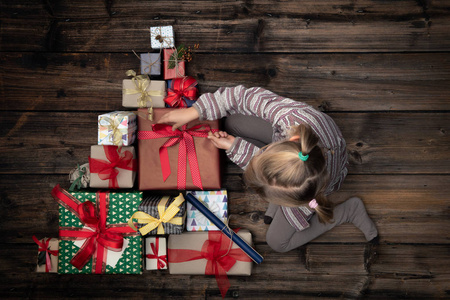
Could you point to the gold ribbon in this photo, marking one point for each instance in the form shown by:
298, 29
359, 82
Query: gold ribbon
141, 83
165, 216
113, 125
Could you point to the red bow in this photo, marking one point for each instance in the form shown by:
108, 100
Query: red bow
101, 238
185, 87
43, 246
219, 255
186, 148
161, 259
108, 169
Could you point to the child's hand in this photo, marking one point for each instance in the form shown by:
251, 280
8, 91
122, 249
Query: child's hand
179, 117
221, 139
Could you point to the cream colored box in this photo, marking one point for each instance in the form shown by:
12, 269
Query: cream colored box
155, 93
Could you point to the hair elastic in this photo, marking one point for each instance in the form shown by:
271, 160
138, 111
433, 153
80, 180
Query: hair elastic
303, 157
313, 203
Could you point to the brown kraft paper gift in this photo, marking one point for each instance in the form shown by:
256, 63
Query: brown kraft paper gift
150, 174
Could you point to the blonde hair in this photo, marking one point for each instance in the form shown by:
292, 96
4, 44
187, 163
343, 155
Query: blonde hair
279, 176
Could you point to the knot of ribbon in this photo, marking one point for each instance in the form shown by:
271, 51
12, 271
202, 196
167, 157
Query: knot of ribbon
112, 126
219, 255
99, 237
43, 247
181, 88
161, 260
77, 183
184, 138
165, 216
116, 160
141, 84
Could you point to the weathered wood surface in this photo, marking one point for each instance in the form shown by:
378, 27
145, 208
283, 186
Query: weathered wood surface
380, 69
233, 26
366, 82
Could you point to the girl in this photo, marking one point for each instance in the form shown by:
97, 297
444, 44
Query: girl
293, 157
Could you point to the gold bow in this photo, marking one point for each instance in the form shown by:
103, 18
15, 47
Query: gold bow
113, 125
141, 83
165, 216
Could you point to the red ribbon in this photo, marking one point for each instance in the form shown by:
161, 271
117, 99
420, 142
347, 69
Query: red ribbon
219, 255
102, 238
43, 246
186, 148
185, 87
116, 160
160, 259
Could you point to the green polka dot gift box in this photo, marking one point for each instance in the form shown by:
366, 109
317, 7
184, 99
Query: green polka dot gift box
94, 234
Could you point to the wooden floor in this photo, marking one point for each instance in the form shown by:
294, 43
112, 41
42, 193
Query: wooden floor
380, 69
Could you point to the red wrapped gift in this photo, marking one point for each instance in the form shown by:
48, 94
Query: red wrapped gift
178, 71
182, 92
163, 154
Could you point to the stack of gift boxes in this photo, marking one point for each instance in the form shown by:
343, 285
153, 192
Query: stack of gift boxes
124, 231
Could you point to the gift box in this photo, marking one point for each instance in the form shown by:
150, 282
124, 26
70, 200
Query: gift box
181, 92
209, 253
47, 255
117, 128
169, 168
150, 63
140, 91
173, 66
162, 37
161, 215
215, 201
112, 167
155, 253
79, 177
95, 236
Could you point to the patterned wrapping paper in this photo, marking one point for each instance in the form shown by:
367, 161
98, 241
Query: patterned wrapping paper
150, 206
151, 63
123, 122
216, 201
121, 207
162, 37
155, 253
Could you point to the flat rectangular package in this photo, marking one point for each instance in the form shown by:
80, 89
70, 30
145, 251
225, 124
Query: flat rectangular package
158, 260
125, 177
162, 37
156, 90
151, 63
194, 241
150, 173
53, 245
215, 201
179, 69
122, 122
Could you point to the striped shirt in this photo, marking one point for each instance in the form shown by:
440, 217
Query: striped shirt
282, 113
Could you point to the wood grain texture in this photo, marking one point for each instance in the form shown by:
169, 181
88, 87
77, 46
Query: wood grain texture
329, 82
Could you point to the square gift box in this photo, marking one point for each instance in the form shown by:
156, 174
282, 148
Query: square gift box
178, 70
155, 253
200, 171
112, 167
162, 37
151, 63
215, 201
78, 234
170, 209
185, 253
117, 128
143, 92
48, 253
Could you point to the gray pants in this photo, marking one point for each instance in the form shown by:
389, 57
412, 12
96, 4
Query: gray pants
281, 236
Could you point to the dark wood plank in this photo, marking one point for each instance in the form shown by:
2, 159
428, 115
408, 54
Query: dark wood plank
61, 140
330, 82
414, 31
416, 204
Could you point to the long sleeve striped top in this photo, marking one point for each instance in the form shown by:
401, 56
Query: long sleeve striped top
282, 113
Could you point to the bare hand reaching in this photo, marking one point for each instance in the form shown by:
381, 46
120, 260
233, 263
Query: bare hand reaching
179, 117
221, 139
